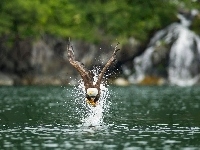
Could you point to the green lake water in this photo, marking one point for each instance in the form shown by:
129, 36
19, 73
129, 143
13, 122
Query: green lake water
134, 117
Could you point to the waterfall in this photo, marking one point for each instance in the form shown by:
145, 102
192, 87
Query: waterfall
176, 49
184, 62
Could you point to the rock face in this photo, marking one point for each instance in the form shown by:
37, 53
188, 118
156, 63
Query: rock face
50, 62
174, 54
45, 61
6, 80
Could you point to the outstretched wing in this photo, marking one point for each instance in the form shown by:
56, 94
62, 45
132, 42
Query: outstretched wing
84, 73
110, 61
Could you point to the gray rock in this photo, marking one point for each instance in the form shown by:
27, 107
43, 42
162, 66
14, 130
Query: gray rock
6, 79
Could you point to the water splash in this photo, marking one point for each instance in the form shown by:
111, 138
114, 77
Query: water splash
89, 115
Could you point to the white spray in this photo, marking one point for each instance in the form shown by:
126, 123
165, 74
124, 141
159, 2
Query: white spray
89, 115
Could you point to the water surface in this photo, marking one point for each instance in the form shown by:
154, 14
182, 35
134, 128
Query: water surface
139, 117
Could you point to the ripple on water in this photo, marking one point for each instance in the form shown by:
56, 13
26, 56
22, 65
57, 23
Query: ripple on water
126, 125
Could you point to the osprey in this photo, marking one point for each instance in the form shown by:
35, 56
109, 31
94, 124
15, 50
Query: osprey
92, 90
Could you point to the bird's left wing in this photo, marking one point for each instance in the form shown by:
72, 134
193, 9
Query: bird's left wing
110, 61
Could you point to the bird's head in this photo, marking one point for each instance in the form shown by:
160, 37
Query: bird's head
91, 94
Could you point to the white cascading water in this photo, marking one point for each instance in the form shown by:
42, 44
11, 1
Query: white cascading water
89, 115
184, 55
184, 58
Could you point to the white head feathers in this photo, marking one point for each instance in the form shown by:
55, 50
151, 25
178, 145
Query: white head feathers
92, 91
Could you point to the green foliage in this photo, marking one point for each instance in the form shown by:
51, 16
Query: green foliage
88, 20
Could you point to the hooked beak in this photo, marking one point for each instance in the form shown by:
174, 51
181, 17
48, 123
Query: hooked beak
91, 102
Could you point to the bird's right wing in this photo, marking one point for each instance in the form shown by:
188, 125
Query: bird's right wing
84, 73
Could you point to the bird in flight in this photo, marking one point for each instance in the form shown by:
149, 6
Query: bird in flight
92, 90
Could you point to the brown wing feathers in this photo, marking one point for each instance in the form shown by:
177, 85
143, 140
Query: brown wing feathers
85, 74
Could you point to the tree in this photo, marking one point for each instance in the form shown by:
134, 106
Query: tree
88, 20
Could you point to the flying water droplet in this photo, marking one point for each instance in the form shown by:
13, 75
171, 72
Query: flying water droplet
89, 115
